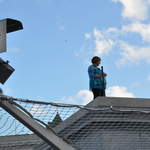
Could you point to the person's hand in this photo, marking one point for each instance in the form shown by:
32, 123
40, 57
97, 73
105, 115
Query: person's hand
105, 74
100, 75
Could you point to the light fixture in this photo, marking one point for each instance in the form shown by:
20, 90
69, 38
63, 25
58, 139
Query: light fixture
6, 26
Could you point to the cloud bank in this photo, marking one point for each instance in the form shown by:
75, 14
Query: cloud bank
118, 91
83, 97
134, 10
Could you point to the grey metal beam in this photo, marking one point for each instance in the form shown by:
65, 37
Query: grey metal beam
46, 134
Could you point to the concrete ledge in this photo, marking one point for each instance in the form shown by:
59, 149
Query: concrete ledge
120, 102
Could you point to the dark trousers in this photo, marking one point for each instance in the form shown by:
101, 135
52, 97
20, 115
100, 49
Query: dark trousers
98, 92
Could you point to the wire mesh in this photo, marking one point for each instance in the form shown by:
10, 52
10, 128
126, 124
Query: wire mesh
110, 130
86, 128
16, 134
43, 112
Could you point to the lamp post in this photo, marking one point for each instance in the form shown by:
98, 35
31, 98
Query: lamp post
6, 26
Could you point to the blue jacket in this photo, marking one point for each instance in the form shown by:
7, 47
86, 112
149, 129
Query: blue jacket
96, 82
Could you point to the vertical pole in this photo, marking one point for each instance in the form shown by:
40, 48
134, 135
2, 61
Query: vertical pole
103, 84
2, 36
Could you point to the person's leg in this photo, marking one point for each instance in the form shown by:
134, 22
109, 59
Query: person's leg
102, 92
96, 92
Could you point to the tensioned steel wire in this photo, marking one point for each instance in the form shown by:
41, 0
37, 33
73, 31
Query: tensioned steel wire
107, 128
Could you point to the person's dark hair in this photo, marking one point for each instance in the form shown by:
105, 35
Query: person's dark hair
95, 59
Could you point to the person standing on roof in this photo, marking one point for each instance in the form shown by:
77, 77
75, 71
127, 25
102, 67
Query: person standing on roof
97, 78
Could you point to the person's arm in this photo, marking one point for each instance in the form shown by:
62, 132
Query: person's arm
92, 73
100, 75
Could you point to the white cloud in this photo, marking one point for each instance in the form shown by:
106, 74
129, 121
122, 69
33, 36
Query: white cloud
134, 9
105, 40
102, 42
102, 47
82, 97
133, 54
142, 29
85, 96
96, 43
118, 91
113, 32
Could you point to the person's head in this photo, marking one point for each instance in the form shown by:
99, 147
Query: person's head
96, 60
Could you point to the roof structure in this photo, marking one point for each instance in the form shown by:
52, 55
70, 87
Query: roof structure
56, 121
19, 142
106, 123
35, 125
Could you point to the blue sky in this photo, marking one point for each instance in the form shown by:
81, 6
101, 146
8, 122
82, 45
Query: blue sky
51, 55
